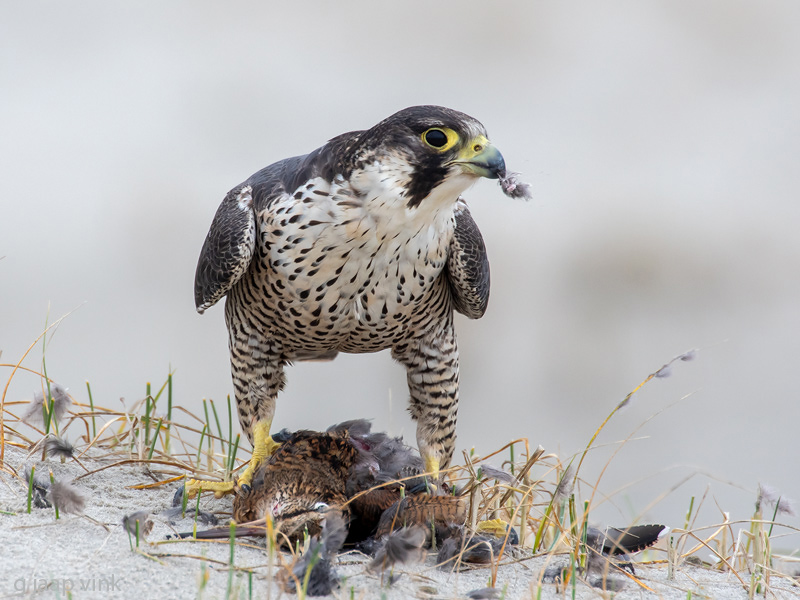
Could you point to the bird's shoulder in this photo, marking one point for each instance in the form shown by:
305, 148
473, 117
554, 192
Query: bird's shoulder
231, 239
335, 160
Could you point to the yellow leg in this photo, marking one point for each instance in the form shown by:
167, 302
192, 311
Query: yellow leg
432, 467
263, 447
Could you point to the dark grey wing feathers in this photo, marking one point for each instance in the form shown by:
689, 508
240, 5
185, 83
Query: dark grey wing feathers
228, 248
468, 266
230, 242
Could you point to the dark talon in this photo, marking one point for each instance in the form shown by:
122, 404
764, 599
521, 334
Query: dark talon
177, 499
244, 489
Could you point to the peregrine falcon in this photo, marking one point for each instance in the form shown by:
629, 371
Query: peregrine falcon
362, 245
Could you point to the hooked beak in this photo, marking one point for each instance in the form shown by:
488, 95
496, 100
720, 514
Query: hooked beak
480, 158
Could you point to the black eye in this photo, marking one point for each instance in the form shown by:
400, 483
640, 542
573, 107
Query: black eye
436, 138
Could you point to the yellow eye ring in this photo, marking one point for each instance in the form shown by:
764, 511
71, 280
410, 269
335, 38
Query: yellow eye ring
440, 139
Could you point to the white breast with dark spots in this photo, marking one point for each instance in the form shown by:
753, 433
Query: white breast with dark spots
345, 271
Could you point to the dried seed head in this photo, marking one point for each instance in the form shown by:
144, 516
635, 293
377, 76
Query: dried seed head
66, 497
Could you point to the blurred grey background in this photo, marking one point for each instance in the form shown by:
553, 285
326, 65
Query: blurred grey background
661, 139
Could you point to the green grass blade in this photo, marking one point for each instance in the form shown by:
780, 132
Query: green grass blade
30, 487
155, 439
219, 428
91, 406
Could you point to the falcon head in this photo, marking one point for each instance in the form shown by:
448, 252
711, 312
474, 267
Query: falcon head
425, 151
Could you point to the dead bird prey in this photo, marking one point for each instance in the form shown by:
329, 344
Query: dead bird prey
314, 474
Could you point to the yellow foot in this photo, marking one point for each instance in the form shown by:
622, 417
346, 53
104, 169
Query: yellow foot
432, 473
263, 447
220, 488
498, 528
261, 452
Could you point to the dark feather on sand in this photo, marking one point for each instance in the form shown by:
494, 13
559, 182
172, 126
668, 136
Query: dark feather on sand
56, 447
39, 491
319, 558
478, 549
175, 513
402, 546
623, 541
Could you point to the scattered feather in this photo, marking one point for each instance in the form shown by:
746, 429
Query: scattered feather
565, 486
334, 533
664, 371
608, 583
513, 187
56, 447
61, 402
491, 472
355, 427
39, 491
66, 498
554, 573
369, 546
281, 436
477, 549
769, 497
319, 558
628, 540
485, 594
141, 517
403, 546
448, 552
175, 513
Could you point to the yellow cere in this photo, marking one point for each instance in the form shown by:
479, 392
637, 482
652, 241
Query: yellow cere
476, 146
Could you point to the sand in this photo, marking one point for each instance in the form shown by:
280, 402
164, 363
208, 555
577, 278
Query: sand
90, 555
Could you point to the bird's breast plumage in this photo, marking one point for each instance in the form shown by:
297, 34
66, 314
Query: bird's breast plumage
345, 265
